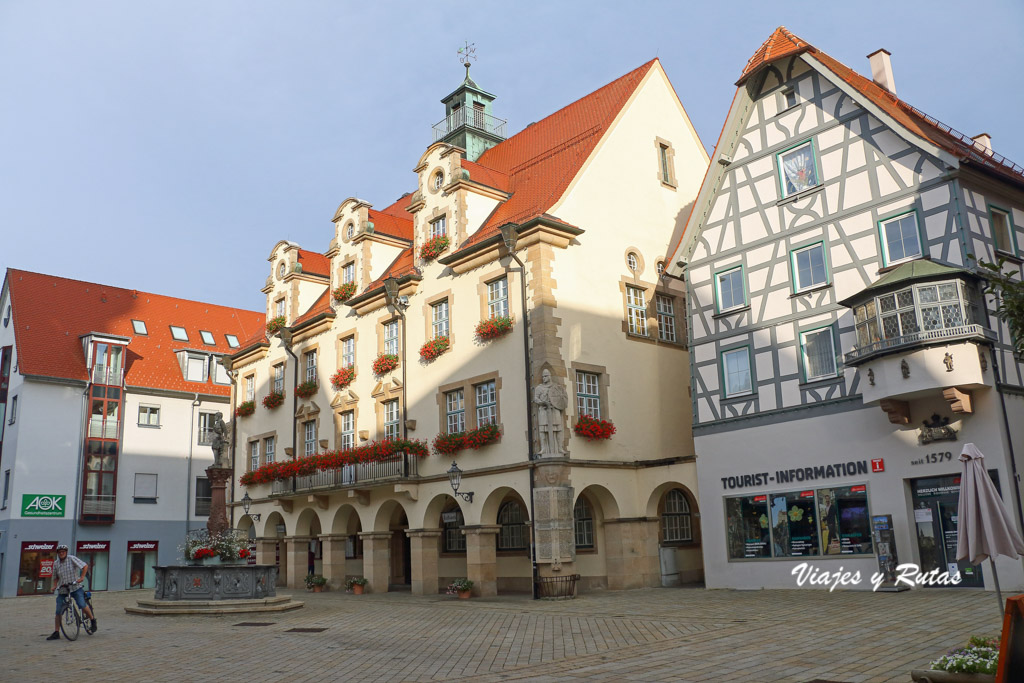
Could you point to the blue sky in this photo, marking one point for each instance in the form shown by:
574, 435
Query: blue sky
167, 146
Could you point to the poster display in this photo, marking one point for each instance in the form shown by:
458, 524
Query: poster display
794, 533
747, 530
845, 527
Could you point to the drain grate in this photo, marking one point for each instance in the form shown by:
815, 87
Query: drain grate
306, 630
256, 623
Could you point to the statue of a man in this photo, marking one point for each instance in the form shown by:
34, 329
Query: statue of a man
551, 401
219, 441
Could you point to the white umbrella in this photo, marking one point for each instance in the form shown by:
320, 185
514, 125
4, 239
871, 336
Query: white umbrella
984, 529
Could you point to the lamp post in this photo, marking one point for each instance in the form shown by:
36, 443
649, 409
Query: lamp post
455, 479
397, 302
246, 504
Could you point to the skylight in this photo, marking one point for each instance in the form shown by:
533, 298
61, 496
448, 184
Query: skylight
207, 337
232, 340
139, 326
179, 333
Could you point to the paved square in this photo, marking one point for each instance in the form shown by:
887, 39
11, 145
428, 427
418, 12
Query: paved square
662, 634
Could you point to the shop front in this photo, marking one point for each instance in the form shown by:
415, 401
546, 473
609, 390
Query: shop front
35, 574
97, 555
142, 557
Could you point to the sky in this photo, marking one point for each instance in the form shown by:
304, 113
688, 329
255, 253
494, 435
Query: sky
167, 146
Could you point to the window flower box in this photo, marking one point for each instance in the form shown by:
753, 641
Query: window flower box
449, 444
344, 292
593, 429
277, 324
343, 377
385, 363
434, 348
273, 400
493, 328
307, 389
434, 247
245, 409
377, 451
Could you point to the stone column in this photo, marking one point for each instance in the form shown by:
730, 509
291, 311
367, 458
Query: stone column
219, 478
334, 559
377, 559
295, 556
424, 548
631, 547
481, 558
266, 553
553, 523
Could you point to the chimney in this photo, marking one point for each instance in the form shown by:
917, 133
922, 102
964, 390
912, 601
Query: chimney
983, 140
881, 69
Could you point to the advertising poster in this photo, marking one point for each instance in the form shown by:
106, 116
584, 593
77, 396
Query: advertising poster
747, 527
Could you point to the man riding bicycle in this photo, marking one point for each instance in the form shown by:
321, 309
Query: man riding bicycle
69, 570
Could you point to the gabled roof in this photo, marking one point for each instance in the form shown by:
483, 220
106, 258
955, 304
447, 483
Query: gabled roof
314, 263
391, 223
320, 306
51, 313
404, 264
780, 44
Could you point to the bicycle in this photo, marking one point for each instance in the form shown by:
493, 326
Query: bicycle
71, 618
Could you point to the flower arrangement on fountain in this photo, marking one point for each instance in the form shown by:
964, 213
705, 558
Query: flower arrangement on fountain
434, 247
434, 348
449, 444
273, 399
230, 545
495, 327
245, 408
377, 451
276, 324
343, 377
593, 428
307, 389
344, 292
385, 363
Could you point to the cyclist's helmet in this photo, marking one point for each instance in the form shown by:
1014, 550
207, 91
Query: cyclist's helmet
62, 547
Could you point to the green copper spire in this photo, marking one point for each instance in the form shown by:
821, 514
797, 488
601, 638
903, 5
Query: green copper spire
468, 121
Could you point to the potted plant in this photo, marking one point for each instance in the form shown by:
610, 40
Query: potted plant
434, 247
495, 327
276, 324
385, 363
593, 428
976, 663
343, 377
315, 582
245, 408
273, 399
356, 584
434, 348
461, 587
449, 444
344, 292
307, 389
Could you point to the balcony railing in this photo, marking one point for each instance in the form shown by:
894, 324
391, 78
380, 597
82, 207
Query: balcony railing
917, 339
350, 475
104, 374
477, 119
100, 428
98, 505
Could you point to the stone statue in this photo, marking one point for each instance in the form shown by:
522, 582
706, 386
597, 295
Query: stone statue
219, 441
551, 401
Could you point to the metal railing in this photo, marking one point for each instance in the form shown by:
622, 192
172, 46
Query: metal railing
102, 428
98, 505
923, 337
477, 119
350, 475
104, 374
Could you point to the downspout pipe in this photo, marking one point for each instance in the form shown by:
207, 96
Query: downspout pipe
188, 469
233, 375
286, 339
81, 465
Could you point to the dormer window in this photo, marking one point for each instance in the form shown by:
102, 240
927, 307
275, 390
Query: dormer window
207, 337
438, 180
232, 340
139, 326
280, 270
195, 367
348, 272
350, 230
787, 99
439, 227
179, 333
279, 307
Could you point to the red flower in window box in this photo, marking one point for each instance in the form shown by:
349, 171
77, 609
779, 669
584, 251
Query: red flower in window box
492, 328
245, 409
203, 552
434, 348
449, 444
244, 553
593, 428
434, 247
343, 377
307, 389
277, 324
273, 400
376, 451
344, 292
385, 363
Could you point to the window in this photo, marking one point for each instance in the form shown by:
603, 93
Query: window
583, 523
391, 337
452, 522
512, 535
220, 375
145, 488
659, 267
787, 99
730, 289
391, 422
809, 268
455, 411
139, 326
254, 455
279, 378
311, 366
195, 367
636, 306
250, 388
901, 240
798, 169
348, 352
439, 227
819, 353
632, 262
232, 340
497, 298
178, 333
281, 269
203, 496
439, 318
1002, 230
7, 488
348, 430
268, 449
149, 416
666, 175
207, 337
676, 526
928, 307
279, 307
736, 372
486, 404
588, 398
348, 272
666, 318
205, 429
14, 410
438, 180
309, 437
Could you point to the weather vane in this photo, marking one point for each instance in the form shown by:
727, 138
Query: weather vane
467, 53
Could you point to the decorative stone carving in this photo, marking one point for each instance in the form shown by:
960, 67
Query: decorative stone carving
936, 429
218, 519
215, 582
553, 524
871, 377
983, 359
959, 400
220, 441
948, 362
897, 411
905, 368
551, 401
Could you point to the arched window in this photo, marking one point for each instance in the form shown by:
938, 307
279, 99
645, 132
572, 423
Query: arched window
675, 518
632, 262
513, 530
350, 230
452, 522
583, 521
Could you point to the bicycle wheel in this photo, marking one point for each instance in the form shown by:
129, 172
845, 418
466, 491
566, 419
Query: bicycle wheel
70, 620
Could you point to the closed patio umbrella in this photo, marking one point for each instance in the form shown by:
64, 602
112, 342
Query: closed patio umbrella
984, 529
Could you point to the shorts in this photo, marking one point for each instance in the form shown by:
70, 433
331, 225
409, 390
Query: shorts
78, 595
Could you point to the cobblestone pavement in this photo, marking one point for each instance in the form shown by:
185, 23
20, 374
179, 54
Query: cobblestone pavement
662, 634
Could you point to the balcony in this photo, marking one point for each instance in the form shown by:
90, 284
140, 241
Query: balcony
401, 467
861, 354
478, 120
101, 428
98, 509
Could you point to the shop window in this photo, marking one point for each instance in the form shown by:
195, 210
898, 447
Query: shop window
204, 494
793, 530
142, 557
676, 522
35, 568
452, 522
512, 535
583, 523
145, 488
97, 555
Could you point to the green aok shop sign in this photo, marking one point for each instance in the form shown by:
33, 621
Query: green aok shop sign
41, 505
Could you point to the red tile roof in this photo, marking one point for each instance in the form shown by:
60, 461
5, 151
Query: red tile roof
314, 263
390, 223
780, 44
321, 305
404, 264
486, 176
50, 314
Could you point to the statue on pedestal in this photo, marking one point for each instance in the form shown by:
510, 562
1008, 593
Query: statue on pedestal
220, 441
551, 401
